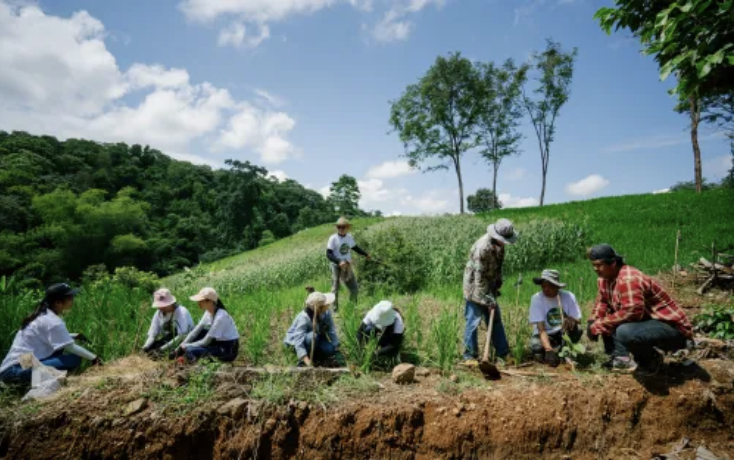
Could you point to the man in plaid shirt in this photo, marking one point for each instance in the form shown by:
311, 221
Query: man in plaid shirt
633, 314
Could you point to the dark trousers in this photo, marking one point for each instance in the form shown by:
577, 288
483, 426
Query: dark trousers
388, 345
59, 360
223, 350
640, 337
556, 340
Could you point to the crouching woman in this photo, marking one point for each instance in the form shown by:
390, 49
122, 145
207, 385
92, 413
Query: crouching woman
314, 328
386, 321
43, 333
170, 325
216, 335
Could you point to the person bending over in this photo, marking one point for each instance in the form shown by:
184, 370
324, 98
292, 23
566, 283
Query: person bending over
387, 322
170, 325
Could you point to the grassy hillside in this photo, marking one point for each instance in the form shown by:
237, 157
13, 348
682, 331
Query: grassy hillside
264, 288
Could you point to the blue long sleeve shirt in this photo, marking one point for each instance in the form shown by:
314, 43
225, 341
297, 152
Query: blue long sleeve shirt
302, 327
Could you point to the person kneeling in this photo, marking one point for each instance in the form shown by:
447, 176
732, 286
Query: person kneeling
386, 321
313, 328
549, 321
170, 325
216, 335
633, 314
43, 333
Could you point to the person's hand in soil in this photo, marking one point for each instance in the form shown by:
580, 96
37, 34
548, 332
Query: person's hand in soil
97, 361
307, 361
590, 334
551, 358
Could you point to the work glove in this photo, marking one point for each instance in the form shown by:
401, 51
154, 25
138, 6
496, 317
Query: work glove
97, 361
569, 324
590, 334
552, 359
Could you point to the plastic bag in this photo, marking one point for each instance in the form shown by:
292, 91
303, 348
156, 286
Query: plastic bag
45, 380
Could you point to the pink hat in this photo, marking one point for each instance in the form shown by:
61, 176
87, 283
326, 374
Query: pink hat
163, 298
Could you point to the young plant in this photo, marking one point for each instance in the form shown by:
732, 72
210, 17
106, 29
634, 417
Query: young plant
717, 321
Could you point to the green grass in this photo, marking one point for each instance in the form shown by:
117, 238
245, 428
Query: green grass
264, 289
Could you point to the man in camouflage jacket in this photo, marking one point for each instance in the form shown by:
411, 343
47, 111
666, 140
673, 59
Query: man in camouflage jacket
482, 283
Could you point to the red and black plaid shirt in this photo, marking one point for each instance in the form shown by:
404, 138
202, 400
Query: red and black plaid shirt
634, 296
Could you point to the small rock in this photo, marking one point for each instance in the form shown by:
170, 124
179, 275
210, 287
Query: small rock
235, 408
472, 406
460, 407
454, 378
403, 373
456, 412
441, 410
117, 422
422, 372
136, 406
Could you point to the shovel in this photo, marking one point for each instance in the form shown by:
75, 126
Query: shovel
489, 370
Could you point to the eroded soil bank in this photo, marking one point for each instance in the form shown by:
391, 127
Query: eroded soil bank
561, 416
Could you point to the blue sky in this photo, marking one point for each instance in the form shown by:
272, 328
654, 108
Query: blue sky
302, 88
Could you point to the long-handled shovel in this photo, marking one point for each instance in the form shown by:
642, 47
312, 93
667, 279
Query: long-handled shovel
313, 334
489, 370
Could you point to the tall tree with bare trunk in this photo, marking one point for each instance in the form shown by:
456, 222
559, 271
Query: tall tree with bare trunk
554, 72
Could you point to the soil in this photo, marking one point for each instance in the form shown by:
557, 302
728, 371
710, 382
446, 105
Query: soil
559, 415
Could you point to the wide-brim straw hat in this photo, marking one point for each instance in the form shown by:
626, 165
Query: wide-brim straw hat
503, 231
343, 221
163, 298
551, 276
319, 299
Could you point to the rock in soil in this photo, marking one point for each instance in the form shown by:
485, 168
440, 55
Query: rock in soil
422, 372
403, 373
136, 406
235, 408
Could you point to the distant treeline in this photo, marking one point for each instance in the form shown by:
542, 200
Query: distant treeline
66, 206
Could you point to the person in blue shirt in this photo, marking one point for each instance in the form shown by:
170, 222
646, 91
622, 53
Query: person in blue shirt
315, 322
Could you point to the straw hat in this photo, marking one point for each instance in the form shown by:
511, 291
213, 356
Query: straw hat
503, 231
163, 298
316, 300
382, 315
343, 222
205, 294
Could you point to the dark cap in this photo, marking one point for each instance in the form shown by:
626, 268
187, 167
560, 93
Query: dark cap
59, 291
605, 253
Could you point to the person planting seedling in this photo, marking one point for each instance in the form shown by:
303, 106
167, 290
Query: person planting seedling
170, 324
633, 314
387, 322
555, 316
339, 252
482, 283
216, 335
43, 333
312, 334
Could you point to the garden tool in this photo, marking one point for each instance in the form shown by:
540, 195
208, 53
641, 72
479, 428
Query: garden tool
489, 370
313, 333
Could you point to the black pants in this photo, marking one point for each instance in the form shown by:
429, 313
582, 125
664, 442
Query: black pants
640, 337
388, 344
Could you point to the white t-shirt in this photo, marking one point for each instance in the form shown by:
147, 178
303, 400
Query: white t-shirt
341, 246
44, 336
399, 325
545, 310
181, 319
222, 328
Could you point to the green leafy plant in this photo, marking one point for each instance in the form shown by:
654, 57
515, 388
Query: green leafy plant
717, 321
570, 349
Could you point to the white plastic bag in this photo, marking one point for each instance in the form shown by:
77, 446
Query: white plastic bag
45, 380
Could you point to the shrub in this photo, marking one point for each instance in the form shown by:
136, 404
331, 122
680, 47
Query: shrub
717, 321
131, 277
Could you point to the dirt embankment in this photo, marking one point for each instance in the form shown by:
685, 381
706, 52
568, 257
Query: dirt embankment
555, 417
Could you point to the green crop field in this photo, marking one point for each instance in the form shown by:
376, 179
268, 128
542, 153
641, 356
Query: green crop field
264, 288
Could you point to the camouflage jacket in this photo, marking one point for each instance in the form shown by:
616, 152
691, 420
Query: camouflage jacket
483, 272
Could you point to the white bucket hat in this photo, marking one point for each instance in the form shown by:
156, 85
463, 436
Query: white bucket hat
382, 315
163, 298
503, 230
205, 294
318, 299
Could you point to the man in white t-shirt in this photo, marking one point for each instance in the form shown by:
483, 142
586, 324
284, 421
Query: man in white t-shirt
549, 323
339, 252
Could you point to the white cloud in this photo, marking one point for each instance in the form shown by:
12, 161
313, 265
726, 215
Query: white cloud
717, 168
59, 78
236, 36
657, 142
196, 159
279, 175
325, 191
270, 98
260, 130
390, 169
509, 201
657, 192
587, 186
394, 26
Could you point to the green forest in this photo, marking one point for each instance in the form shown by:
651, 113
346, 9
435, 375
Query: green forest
68, 207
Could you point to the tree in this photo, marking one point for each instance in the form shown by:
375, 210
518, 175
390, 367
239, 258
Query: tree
555, 72
501, 113
345, 195
437, 117
693, 39
484, 200
693, 108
